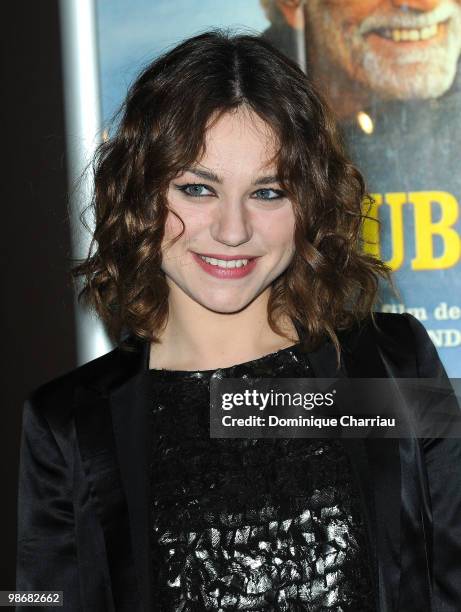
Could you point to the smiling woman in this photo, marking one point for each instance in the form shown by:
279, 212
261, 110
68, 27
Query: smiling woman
228, 244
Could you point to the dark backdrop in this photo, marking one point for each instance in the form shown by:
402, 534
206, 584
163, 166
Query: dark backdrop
38, 340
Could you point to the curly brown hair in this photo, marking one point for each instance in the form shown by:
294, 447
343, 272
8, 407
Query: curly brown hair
330, 283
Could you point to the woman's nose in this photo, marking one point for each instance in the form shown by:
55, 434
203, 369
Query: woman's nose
231, 224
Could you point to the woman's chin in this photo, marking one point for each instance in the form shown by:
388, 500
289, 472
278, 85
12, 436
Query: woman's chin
225, 304
225, 308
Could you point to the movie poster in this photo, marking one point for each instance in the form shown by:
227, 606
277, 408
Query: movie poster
391, 73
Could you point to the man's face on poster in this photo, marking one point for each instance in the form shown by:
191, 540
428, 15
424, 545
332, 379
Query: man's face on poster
397, 49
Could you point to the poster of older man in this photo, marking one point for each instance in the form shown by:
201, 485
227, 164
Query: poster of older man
390, 70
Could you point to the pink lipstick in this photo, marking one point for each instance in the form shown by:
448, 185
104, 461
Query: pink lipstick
221, 272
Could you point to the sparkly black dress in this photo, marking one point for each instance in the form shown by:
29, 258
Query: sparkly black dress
250, 524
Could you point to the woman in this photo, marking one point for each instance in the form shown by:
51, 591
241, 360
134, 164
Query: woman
228, 243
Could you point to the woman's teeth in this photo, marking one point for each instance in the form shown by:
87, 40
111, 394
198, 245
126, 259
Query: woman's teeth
410, 35
233, 263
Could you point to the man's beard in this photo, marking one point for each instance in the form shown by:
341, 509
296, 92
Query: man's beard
401, 73
422, 74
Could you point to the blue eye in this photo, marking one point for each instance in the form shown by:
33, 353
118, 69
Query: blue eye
195, 190
269, 194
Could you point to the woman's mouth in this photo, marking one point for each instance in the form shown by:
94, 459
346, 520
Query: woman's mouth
237, 267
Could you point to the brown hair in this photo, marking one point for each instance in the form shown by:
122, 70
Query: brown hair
330, 283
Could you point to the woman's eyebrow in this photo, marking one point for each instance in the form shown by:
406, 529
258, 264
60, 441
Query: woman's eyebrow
211, 176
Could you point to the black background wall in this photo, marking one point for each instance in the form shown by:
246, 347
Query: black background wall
37, 341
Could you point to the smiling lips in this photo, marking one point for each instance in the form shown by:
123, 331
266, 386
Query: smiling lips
226, 266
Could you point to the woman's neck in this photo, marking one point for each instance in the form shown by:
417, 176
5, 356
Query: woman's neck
196, 338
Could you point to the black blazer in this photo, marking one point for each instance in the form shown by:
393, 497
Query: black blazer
84, 502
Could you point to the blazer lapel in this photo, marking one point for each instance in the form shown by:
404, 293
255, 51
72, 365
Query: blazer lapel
129, 403
112, 409
389, 474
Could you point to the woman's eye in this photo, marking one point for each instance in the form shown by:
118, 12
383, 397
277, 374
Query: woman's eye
195, 190
269, 194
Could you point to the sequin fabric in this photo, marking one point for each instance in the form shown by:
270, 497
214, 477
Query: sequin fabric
250, 524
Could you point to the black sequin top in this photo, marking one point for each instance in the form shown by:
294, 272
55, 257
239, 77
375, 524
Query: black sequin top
250, 524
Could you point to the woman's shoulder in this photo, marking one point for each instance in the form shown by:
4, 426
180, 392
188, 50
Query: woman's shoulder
387, 322
388, 326
95, 376
401, 337
407, 332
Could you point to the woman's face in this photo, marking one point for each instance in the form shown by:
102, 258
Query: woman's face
235, 213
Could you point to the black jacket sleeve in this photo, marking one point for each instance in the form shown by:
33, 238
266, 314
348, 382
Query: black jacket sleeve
46, 547
443, 464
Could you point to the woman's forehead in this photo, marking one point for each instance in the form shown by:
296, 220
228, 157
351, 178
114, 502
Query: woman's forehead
239, 138
242, 121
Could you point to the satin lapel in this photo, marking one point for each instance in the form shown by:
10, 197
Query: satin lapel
94, 571
378, 461
130, 417
111, 414
102, 444
415, 514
